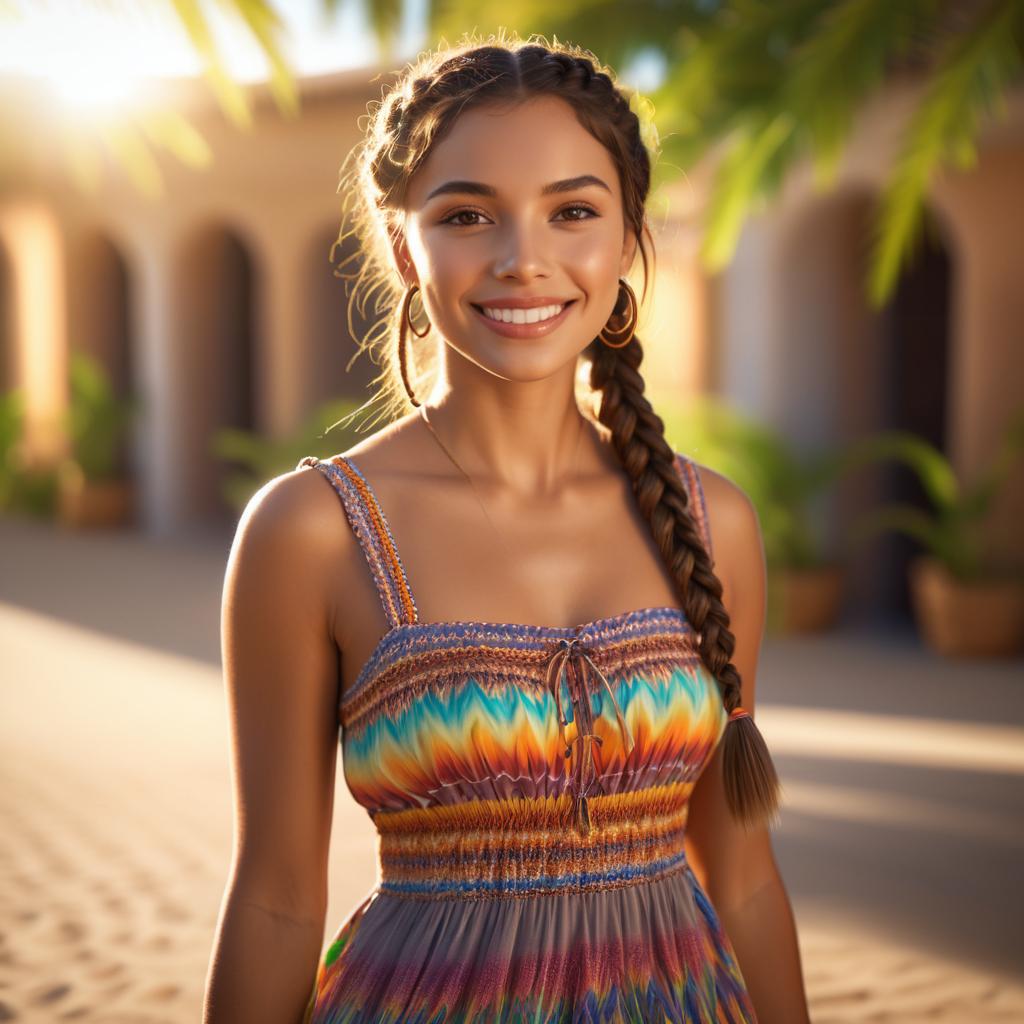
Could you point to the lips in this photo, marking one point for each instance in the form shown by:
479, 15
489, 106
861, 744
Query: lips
525, 330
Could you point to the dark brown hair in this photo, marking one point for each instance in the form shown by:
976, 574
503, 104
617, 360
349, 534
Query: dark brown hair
414, 115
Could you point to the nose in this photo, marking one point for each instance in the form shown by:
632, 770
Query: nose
522, 251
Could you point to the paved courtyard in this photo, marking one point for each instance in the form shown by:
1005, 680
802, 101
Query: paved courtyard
901, 840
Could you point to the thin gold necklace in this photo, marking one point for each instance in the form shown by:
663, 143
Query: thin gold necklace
476, 492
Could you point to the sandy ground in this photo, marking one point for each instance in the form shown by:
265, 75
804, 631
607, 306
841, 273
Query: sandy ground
116, 809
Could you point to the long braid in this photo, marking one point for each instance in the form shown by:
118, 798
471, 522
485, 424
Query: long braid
638, 436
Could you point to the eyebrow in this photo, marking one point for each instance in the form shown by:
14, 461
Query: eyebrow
478, 188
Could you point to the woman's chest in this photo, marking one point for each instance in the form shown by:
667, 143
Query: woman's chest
485, 711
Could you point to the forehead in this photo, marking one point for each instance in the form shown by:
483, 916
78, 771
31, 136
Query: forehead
516, 148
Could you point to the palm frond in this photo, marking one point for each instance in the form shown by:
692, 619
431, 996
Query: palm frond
737, 184
859, 37
173, 132
386, 20
266, 26
128, 147
228, 92
968, 80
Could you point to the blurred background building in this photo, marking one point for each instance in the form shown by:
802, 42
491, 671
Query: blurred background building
215, 302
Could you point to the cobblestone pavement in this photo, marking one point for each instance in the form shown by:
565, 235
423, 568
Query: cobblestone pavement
900, 841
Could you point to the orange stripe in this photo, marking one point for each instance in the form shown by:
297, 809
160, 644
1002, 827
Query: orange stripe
378, 522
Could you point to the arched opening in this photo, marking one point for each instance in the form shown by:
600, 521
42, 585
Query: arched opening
215, 364
843, 371
99, 321
915, 327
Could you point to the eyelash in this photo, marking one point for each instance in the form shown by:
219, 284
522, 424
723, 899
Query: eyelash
572, 206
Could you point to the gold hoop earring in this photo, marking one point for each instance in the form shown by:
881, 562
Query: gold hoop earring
406, 309
405, 325
620, 337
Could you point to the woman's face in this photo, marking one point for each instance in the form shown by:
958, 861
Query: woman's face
519, 203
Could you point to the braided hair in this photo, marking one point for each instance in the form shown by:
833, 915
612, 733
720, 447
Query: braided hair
412, 116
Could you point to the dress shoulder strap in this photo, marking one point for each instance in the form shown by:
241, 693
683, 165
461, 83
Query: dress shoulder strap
698, 506
368, 522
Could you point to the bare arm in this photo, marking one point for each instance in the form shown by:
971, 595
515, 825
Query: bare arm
737, 867
281, 676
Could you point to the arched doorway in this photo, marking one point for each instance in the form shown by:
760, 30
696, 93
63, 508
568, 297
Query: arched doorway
914, 379
832, 370
215, 364
99, 322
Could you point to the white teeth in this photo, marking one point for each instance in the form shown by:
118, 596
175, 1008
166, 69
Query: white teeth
524, 316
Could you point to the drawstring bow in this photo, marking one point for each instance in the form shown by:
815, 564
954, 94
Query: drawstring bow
572, 661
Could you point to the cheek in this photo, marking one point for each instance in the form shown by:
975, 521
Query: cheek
448, 274
597, 264
592, 258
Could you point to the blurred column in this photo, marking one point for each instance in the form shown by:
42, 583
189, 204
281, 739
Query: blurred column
37, 293
162, 483
281, 326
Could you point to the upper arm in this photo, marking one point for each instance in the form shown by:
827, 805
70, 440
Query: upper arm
732, 861
281, 675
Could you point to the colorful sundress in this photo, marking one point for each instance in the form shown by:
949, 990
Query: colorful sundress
529, 786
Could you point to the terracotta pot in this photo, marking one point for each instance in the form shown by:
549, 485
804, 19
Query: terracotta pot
983, 618
809, 599
86, 503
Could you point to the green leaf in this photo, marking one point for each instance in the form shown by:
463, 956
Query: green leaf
978, 500
266, 25
901, 518
229, 93
979, 61
736, 186
172, 131
130, 150
933, 469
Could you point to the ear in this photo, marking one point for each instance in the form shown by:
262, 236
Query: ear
400, 257
629, 247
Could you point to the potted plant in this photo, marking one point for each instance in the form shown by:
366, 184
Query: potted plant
12, 419
966, 604
805, 585
91, 491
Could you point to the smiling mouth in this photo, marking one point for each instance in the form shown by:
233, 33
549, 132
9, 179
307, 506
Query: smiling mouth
522, 309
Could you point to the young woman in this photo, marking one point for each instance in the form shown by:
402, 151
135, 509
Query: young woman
544, 680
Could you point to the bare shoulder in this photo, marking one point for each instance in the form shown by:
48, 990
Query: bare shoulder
303, 506
730, 508
292, 512
284, 533
733, 521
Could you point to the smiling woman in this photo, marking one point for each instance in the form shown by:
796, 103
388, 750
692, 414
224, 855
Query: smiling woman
546, 741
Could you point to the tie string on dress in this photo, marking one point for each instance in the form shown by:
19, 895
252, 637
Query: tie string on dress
571, 659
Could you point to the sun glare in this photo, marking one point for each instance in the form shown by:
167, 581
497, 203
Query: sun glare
86, 84
90, 59
101, 57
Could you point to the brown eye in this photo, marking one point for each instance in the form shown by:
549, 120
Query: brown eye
580, 206
450, 219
